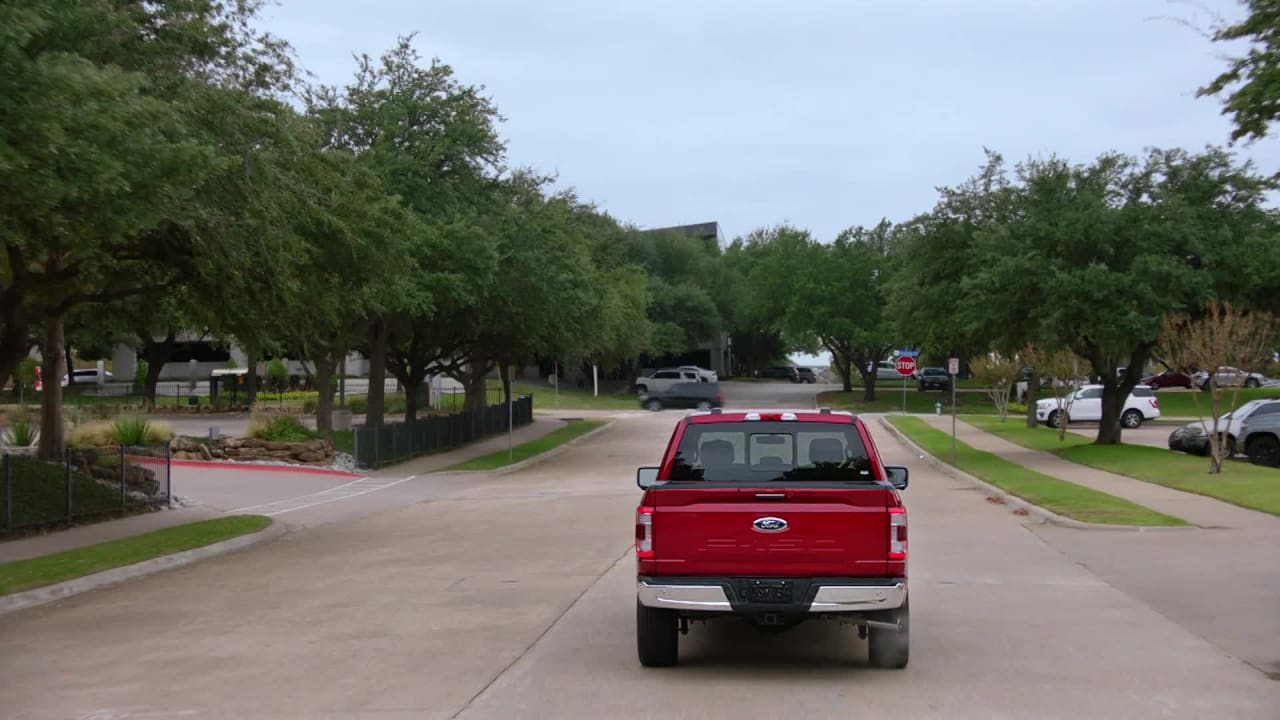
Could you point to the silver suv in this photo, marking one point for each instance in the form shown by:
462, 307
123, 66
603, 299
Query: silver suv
1260, 438
661, 380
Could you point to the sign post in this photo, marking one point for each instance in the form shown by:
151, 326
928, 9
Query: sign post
953, 369
906, 366
511, 377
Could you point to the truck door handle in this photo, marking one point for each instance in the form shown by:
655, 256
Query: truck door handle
771, 496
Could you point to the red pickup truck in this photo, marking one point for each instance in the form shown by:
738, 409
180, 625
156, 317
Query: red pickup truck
775, 518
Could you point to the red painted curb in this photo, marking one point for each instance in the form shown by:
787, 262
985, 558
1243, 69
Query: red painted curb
302, 469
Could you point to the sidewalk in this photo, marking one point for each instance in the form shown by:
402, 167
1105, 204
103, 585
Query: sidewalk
1196, 509
70, 538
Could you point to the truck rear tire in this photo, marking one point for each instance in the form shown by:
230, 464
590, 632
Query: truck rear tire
657, 637
890, 649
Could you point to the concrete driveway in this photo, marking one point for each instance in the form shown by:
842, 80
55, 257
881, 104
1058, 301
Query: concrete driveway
513, 597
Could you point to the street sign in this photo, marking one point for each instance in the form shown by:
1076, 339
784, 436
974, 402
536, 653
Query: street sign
909, 353
906, 366
953, 366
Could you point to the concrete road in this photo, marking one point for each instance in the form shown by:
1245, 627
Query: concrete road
780, 394
1149, 434
513, 597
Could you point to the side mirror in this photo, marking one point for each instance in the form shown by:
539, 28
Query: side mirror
646, 477
897, 477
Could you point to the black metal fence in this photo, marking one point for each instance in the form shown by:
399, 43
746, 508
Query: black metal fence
397, 442
83, 483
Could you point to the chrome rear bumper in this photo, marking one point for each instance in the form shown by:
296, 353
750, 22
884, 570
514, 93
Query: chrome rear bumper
828, 599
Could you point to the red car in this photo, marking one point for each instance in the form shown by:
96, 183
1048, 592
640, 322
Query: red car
1168, 378
775, 518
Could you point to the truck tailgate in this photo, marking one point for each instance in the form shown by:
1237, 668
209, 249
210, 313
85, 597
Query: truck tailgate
825, 532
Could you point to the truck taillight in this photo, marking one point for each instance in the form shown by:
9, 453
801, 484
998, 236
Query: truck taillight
644, 533
897, 533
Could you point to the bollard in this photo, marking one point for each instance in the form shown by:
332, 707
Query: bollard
937, 408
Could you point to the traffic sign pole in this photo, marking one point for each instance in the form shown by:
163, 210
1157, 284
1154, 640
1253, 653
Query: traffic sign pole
906, 366
953, 368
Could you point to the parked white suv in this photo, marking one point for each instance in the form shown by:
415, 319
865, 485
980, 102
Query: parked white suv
1085, 405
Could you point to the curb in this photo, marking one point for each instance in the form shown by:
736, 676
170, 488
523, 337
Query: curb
1046, 517
506, 469
67, 588
263, 467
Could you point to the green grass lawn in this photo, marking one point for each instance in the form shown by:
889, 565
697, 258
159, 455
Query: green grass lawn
1015, 430
1059, 496
524, 451
889, 399
1194, 404
1239, 483
571, 398
36, 572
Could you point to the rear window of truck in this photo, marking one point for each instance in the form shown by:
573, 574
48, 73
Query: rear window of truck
750, 452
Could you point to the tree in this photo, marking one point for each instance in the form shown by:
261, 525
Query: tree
525, 315
1088, 257
830, 296
1060, 368
358, 263
1224, 335
100, 197
1252, 93
997, 374
433, 142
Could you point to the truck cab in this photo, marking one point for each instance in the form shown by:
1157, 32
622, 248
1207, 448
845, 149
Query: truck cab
775, 518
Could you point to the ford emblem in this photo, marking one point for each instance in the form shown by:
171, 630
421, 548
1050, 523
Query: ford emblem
770, 524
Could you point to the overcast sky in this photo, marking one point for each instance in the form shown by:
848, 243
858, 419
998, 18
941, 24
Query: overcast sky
822, 114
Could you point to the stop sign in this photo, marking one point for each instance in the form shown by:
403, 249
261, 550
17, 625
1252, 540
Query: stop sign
906, 365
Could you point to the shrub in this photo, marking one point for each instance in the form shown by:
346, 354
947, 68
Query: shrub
359, 404
277, 376
139, 431
27, 372
90, 434
140, 377
281, 428
1016, 408
22, 433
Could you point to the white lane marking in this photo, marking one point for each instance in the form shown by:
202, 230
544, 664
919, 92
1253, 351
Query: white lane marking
346, 491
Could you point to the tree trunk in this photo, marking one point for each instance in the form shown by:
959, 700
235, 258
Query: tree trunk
410, 398
14, 334
251, 358
70, 366
378, 338
156, 354
325, 365
846, 372
52, 443
477, 392
1033, 394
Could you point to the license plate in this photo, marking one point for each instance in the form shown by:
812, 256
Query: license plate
768, 591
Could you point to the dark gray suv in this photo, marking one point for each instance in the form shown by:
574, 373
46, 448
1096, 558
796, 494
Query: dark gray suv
934, 378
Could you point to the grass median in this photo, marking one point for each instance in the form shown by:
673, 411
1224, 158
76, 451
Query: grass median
1239, 483
1059, 496
49, 569
524, 451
